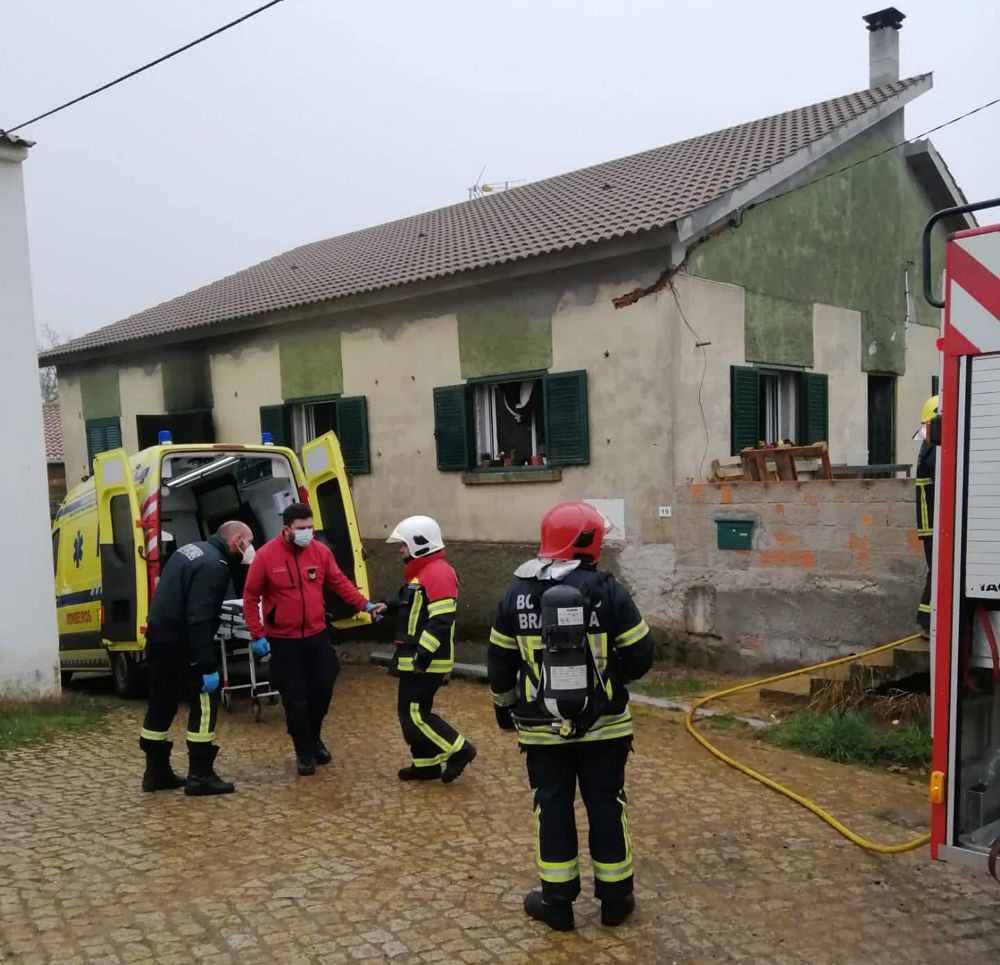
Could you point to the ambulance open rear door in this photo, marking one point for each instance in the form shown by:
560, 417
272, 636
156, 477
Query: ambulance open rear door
124, 586
965, 778
335, 520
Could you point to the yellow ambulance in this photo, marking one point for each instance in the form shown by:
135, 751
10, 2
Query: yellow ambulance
114, 532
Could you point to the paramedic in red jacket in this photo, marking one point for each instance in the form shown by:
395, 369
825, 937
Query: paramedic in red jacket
286, 583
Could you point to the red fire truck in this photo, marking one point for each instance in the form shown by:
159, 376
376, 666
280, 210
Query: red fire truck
965, 778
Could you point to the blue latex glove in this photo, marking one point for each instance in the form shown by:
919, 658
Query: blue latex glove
209, 682
260, 648
369, 608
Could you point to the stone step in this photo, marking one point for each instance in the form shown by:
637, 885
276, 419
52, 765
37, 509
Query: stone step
795, 691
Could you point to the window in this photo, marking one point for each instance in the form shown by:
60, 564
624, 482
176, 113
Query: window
102, 435
516, 421
293, 424
184, 427
772, 406
510, 427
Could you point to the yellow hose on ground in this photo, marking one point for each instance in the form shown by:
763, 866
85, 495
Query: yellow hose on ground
780, 788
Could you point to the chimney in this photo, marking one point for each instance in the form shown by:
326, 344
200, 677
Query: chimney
883, 46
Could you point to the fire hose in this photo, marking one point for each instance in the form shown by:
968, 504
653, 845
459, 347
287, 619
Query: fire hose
774, 785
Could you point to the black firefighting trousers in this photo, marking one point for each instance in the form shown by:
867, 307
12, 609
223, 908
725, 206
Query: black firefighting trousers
554, 771
304, 672
173, 678
924, 609
432, 739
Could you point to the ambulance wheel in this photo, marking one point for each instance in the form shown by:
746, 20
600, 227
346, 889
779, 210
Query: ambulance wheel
227, 701
126, 676
257, 710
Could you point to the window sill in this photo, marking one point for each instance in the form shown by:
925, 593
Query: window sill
489, 477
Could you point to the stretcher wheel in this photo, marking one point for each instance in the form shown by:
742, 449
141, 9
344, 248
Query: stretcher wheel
257, 710
227, 702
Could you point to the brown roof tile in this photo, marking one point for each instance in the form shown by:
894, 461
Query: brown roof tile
610, 200
52, 420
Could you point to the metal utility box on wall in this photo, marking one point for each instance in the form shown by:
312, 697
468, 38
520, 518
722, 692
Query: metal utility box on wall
734, 534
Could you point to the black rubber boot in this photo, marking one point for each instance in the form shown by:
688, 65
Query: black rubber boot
414, 773
321, 753
614, 911
558, 915
159, 774
202, 780
458, 762
306, 764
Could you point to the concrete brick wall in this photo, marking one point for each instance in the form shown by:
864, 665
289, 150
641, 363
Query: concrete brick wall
834, 567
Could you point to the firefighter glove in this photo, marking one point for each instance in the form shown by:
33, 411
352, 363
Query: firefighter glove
371, 608
209, 682
504, 719
261, 648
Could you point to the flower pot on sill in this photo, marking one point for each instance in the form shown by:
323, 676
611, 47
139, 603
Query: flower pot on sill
538, 460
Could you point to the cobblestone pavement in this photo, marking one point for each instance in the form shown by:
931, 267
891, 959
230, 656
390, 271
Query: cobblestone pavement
351, 865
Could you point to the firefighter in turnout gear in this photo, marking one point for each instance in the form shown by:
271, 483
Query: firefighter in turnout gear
183, 620
425, 652
930, 436
566, 640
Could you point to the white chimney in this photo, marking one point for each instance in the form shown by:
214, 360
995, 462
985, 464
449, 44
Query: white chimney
883, 46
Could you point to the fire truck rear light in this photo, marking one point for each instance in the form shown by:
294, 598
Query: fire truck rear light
102, 616
939, 344
937, 787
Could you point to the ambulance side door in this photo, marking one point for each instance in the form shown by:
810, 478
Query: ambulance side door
124, 589
335, 519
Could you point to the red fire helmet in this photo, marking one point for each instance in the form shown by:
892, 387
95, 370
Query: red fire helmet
573, 531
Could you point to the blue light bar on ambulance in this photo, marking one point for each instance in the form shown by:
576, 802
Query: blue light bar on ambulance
165, 437
267, 438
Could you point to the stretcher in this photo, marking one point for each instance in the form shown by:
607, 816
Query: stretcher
234, 646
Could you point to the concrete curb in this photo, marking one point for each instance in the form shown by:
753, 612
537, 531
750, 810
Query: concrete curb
477, 673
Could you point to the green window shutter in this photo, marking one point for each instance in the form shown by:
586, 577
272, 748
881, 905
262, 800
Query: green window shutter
275, 419
815, 408
744, 403
102, 435
453, 427
567, 428
352, 431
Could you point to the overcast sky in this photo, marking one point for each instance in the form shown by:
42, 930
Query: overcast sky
320, 117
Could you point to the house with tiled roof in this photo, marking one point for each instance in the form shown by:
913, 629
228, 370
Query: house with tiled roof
602, 334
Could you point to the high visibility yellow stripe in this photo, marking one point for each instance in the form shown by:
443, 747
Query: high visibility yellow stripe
429, 761
205, 724
634, 635
440, 607
924, 608
418, 602
528, 736
432, 735
154, 735
555, 872
429, 642
502, 640
926, 527
436, 666
200, 738
507, 699
618, 870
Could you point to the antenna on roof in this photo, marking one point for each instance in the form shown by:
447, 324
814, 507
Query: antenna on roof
480, 190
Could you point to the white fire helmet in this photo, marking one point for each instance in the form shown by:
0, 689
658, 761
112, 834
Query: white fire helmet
421, 534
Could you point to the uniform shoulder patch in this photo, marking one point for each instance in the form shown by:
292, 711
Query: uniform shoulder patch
191, 551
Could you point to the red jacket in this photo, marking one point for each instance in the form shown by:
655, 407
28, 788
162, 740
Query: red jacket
290, 582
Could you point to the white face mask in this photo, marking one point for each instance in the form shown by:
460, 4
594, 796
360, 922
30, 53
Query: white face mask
248, 554
302, 537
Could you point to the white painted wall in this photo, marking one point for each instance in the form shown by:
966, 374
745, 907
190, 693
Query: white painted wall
74, 433
242, 381
140, 389
914, 388
29, 640
837, 354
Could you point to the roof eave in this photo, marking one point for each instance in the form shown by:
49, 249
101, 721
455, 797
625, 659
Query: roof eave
783, 175
941, 187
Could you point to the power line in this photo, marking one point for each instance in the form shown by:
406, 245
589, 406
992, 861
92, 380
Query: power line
630, 298
139, 70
